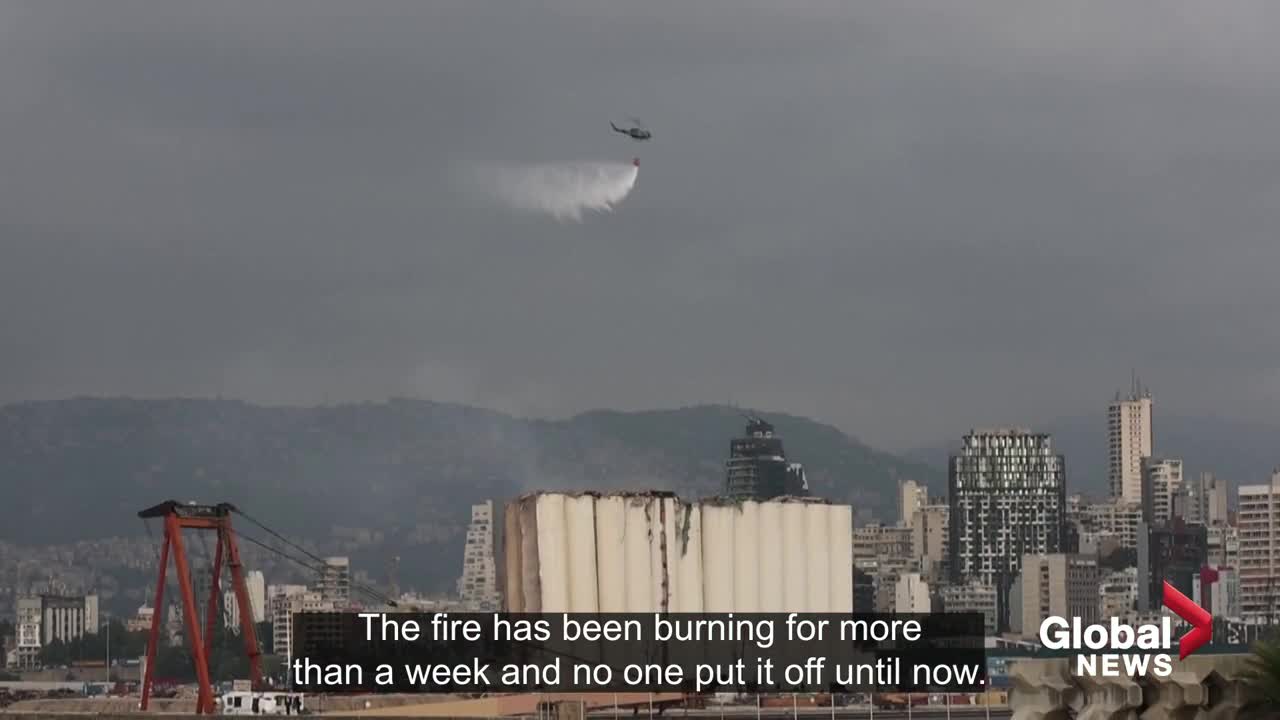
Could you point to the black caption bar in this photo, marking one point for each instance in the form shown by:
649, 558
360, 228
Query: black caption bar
658, 652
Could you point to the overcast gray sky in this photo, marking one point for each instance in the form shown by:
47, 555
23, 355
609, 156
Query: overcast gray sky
903, 218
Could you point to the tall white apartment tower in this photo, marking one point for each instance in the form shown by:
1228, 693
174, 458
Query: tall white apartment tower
1162, 490
1129, 440
1259, 534
913, 497
335, 581
478, 586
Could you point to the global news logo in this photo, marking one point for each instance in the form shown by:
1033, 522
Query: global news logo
1057, 633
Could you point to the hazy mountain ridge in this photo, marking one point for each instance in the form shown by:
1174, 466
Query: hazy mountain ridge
375, 479
1242, 452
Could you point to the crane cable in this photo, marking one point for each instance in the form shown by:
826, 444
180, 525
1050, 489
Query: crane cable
373, 594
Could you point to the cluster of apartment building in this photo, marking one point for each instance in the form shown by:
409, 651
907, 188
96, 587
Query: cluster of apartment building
48, 618
1008, 541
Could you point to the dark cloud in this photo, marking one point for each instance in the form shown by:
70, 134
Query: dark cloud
903, 218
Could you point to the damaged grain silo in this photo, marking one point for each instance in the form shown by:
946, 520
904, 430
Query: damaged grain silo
652, 552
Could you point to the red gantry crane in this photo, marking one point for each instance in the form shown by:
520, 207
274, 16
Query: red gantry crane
178, 517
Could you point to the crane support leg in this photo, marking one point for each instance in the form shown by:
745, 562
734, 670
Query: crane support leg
211, 609
153, 640
247, 630
179, 517
204, 700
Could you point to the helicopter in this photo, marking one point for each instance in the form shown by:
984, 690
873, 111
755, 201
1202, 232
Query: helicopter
635, 133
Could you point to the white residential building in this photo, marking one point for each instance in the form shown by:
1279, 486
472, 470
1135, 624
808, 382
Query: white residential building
1223, 546
1161, 489
912, 497
27, 633
335, 581
911, 594
1129, 440
1206, 500
1258, 525
478, 586
255, 585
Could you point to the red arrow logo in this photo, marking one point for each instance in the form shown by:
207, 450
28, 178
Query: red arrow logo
1201, 621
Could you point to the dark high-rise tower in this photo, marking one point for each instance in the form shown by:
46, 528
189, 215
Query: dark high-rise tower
758, 469
1008, 499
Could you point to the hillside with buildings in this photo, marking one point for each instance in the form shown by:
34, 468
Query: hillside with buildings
369, 481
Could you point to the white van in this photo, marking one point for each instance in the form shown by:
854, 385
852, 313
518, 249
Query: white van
261, 703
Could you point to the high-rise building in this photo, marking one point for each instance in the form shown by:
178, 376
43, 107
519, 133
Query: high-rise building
757, 468
1207, 500
1175, 553
1258, 524
930, 539
478, 586
286, 601
27, 632
1008, 500
912, 496
1215, 493
1129, 440
1224, 545
1161, 490
256, 587
883, 553
1078, 509
335, 581
1058, 585
1119, 518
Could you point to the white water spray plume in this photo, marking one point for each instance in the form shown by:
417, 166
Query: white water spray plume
566, 190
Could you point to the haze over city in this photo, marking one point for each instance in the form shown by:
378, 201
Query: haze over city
905, 219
